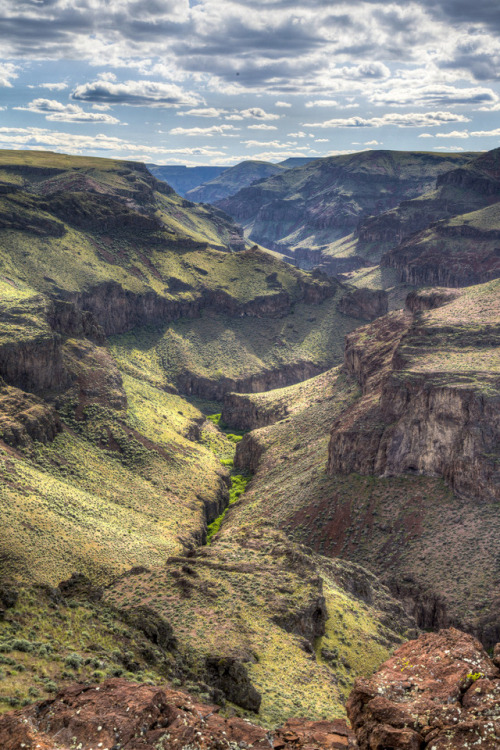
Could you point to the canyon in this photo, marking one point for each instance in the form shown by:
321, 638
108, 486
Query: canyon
232, 487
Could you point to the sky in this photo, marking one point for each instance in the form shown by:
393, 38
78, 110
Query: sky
219, 81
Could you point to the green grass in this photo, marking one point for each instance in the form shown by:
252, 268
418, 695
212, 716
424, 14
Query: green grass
238, 486
45, 646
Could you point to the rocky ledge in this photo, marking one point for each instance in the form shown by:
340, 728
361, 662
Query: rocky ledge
119, 715
440, 692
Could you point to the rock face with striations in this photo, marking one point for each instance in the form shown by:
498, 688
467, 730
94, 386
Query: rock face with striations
431, 400
440, 692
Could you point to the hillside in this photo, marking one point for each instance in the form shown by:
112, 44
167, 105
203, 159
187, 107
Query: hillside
352, 462
182, 178
233, 179
309, 207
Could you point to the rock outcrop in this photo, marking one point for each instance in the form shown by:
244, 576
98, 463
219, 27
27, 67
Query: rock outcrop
25, 418
440, 692
128, 716
430, 400
363, 303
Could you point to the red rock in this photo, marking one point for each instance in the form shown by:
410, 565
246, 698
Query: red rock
119, 715
440, 692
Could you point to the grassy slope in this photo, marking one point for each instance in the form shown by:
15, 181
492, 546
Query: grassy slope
224, 346
225, 600
45, 644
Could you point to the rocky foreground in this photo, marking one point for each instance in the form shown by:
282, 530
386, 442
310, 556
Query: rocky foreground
440, 692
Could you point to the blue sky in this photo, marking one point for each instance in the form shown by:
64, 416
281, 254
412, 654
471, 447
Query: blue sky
219, 81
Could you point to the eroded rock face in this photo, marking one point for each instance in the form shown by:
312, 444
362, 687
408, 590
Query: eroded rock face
127, 716
440, 692
366, 304
430, 399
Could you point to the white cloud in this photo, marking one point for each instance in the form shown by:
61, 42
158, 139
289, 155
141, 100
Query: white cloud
454, 134
213, 130
259, 114
425, 135
410, 119
372, 143
282, 104
203, 112
367, 70
51, 86
8, 71
262, 126
42, 138
299, 134
57, 112
432, 95
322, 103
135, 94
451, 149
486, 133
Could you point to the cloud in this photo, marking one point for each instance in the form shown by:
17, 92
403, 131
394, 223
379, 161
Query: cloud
213, 130
432, 95
282, 104
486, 133
453, 134
57, 112
42, 138
322, 103
51, 86
366, 70
258, 114
203, 112
262, 126
135, 94
451, 149
8, 71
408, 120
372, 143
299, 134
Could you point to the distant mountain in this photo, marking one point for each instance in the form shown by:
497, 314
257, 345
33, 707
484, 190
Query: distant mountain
183, 178
295, 161
456, 228
233, 179
312, 206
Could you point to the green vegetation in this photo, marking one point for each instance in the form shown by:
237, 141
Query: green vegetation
227, 600
238, 487
46, 642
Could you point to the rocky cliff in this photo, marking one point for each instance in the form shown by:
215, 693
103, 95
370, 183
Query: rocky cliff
431, 399
440, 691
366, 304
